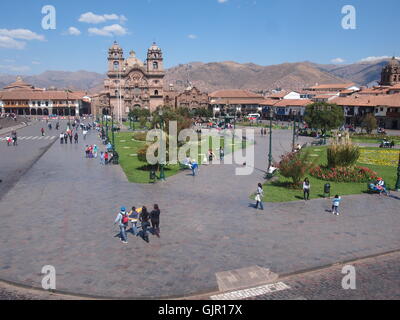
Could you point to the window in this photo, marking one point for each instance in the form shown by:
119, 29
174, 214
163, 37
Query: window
156, 92
116, 65
155, 65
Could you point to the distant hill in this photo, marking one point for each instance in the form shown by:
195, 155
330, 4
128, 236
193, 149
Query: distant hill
231, 75
224, 75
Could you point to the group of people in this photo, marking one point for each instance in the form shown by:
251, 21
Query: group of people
91, 151
64, 136
379, 186
139, 218
12, 139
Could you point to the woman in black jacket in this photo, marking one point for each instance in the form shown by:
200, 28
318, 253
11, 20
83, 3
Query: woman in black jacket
155, 218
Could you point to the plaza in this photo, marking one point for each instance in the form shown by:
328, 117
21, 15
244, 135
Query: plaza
61, 212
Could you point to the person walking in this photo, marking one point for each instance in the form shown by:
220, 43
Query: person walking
76, 138
221, 153
259, 197
95, 151
42, 131
70, 137
122, 220
65, 138
335, 205
102, 158
62, 138
106, 158
14, 138
134, 216
9, 140
306, 189
57, 126
144, 219
84, 132
195, 167
155, 219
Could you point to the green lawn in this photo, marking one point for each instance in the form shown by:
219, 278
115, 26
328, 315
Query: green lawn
375, 141
128, 148
277, 192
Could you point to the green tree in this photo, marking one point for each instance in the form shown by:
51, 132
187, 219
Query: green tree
324, 116
369, 123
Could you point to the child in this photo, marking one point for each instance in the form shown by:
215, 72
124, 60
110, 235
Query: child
335, 205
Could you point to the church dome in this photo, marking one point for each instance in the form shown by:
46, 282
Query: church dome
154, 47
133, 60
115, 46
394, 62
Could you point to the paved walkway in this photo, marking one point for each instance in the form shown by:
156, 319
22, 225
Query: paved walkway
61, 213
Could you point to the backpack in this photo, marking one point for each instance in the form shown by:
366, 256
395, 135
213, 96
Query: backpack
125, 219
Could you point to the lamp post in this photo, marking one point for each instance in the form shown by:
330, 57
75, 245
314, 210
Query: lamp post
162, 173
112, 132
294, 129
398, 176
270, 138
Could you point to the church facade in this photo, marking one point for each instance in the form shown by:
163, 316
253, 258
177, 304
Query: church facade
132, 83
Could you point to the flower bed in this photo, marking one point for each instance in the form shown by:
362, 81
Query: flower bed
349, 174
389, 158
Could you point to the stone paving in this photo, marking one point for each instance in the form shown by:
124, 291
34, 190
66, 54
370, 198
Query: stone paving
61, 213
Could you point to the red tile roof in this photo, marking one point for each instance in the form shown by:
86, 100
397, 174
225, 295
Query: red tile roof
391, 100
234, 94
40, 95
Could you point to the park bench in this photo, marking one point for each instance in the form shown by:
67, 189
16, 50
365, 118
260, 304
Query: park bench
372, 189
320, 142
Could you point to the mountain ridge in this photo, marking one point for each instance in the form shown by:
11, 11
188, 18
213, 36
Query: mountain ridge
212, 76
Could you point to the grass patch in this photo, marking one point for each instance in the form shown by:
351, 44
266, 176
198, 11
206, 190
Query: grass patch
138, 171
277, 191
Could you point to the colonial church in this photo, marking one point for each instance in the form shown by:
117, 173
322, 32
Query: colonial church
391, 73
132, 83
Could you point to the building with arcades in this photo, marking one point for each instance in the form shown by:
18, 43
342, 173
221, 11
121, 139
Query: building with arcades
132, 83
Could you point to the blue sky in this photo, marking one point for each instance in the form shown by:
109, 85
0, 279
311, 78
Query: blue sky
264, 32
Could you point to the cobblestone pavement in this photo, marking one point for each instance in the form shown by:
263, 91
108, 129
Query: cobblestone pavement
15, 161
61, 213
376, 279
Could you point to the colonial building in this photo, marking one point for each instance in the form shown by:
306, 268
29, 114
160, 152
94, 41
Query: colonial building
391, 73
132, 83
241, 101
24, 99
191, 98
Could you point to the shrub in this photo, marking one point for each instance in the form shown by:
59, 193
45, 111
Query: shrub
140, 136
295, 165
342, 153
353, 174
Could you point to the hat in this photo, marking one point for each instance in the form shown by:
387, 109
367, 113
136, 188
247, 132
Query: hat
380, 179
123, 209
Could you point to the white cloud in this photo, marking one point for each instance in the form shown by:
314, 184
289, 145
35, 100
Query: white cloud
109, 31
72, 31
222, 1
36, 62
373, 58
23, 34
9, 43
90, 17
192, 36
338, 60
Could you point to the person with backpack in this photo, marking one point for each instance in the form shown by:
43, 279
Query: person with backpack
259, 197
335, 205
122, 220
